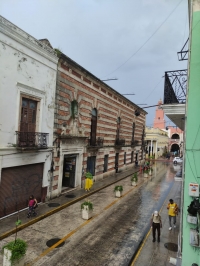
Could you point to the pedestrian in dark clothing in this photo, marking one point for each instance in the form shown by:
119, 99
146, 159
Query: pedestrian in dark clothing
156, 225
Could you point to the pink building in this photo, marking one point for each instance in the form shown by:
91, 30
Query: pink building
175, 134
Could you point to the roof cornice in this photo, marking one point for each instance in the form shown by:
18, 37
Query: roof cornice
14, 32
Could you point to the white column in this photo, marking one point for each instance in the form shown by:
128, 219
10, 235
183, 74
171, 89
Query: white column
156, 153
151, 154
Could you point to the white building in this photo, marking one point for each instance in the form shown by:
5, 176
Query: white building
27, 93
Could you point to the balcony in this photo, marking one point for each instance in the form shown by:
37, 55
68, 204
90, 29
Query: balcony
135, 143
95, 144
183, 54
175, 96
120, 142
29, 140
175, 87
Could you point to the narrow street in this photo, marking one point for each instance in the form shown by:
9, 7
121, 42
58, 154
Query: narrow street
115, 231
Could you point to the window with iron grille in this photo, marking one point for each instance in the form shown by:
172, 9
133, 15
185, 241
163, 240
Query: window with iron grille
125, 158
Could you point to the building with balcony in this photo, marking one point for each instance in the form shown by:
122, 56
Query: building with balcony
175, 96
181, 105
190, 241
95, 128
28, 70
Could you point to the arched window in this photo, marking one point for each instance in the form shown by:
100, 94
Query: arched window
93, 127
74, 109
175, 136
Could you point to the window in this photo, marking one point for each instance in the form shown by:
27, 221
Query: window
105, 163
74, 109
28, 115
132, 157
143, 135
125, 158
118, 127
93, 127
133, 132
91, 163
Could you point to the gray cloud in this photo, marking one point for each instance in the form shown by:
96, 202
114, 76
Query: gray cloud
102, 35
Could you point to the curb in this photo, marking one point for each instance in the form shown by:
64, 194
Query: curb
41, 217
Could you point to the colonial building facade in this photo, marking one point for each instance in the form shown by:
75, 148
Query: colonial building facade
95, 128
156, 142
175, 134
28, 79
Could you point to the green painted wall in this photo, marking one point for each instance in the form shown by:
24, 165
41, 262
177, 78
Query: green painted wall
191, 255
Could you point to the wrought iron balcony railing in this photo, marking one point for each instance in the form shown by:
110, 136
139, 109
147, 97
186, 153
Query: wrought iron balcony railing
175, 86
134, 142
183, 54
120, 142
32, 140
98, 143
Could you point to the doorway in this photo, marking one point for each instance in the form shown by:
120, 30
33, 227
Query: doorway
105, 163
116, 159
69, 171
91, 164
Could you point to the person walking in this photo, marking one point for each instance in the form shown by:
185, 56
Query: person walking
156, 225
172, 212
31, 206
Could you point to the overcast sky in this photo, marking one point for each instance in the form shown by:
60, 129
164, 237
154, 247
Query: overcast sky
134, 41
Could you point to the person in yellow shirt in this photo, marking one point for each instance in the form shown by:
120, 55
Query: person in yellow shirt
172, 212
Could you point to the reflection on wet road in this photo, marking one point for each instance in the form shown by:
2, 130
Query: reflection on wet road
113, 236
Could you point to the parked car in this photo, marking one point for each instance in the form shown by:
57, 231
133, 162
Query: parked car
177, 160
179, 173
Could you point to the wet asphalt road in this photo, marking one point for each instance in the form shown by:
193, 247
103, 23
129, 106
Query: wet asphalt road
113, 236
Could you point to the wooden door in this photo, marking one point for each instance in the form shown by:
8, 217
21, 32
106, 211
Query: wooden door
28, 115
28, 122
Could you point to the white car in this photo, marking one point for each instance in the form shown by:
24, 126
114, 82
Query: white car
177, 160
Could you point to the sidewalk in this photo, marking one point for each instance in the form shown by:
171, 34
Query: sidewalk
7, 225
159, 253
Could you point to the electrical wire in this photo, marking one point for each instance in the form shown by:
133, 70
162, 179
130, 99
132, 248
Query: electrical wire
153, 90
146, 40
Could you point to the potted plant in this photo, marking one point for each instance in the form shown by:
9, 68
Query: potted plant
134, 180
118, 191
87, 209
146, 171
14, 251
150, 171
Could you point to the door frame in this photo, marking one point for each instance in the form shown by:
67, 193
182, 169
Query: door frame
78, 153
